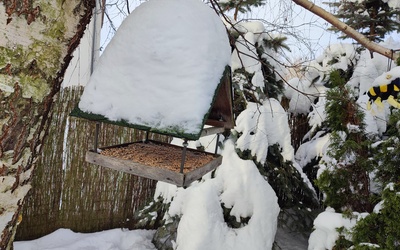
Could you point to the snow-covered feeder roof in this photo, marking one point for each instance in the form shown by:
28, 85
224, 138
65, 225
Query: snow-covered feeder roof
162, 71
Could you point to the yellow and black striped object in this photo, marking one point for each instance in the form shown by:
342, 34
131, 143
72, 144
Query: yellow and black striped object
388, 92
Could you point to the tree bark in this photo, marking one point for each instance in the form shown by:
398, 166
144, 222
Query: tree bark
364, 41
38, 38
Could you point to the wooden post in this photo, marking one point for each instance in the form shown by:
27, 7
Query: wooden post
185, 144
96, 137
216, 145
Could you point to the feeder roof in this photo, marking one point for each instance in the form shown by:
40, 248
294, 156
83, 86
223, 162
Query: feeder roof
161, 71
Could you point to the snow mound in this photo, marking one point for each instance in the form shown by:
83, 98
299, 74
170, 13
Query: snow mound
326, 225
161, 68
239, 186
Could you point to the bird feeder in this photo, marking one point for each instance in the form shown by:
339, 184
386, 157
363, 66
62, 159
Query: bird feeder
181, 89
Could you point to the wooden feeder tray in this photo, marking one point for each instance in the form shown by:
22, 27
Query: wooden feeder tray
157, 161
219, 117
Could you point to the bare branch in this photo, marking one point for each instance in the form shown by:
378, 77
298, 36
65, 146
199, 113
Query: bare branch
127, 7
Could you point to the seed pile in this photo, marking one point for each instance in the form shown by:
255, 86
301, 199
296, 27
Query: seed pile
159, 155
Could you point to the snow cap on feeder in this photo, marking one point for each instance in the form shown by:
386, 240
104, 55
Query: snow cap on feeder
166, 70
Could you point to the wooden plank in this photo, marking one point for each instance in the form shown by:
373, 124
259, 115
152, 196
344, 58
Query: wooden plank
216, 123
135, 168
150, 172
211, 131
221, 113
200, 172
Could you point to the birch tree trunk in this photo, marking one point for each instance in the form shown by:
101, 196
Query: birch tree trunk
364, 41
36, 42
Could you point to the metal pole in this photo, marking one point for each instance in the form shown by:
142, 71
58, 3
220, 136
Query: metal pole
92, 57
94, 37
185, 144
216, 145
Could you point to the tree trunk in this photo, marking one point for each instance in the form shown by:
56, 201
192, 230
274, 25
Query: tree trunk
38, 38
364, 41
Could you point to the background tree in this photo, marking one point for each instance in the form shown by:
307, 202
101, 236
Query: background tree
348, 30
38, 38
357, 164
386, 160
382, 227
260, 85
240, 6
372, 18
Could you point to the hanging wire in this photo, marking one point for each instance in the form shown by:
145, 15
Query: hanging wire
389, 66
393, 51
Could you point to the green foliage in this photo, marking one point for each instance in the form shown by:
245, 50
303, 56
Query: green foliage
382, 228
231, 220
276, 43
152, 215
345, 188
341, 107
165, 236
244, 91
342, 243
345, 183
240, 5
386, 154
311, 170
297, 201
394, 123
273, 87
388, 161
239, 99
294, 195
372, 18
286, 180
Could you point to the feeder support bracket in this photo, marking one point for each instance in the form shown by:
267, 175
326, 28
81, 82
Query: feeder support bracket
185, 144
96, 137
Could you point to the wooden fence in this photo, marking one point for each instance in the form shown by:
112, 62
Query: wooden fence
67, 192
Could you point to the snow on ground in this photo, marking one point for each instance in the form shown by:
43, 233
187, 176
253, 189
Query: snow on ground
162, 67
115, 239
